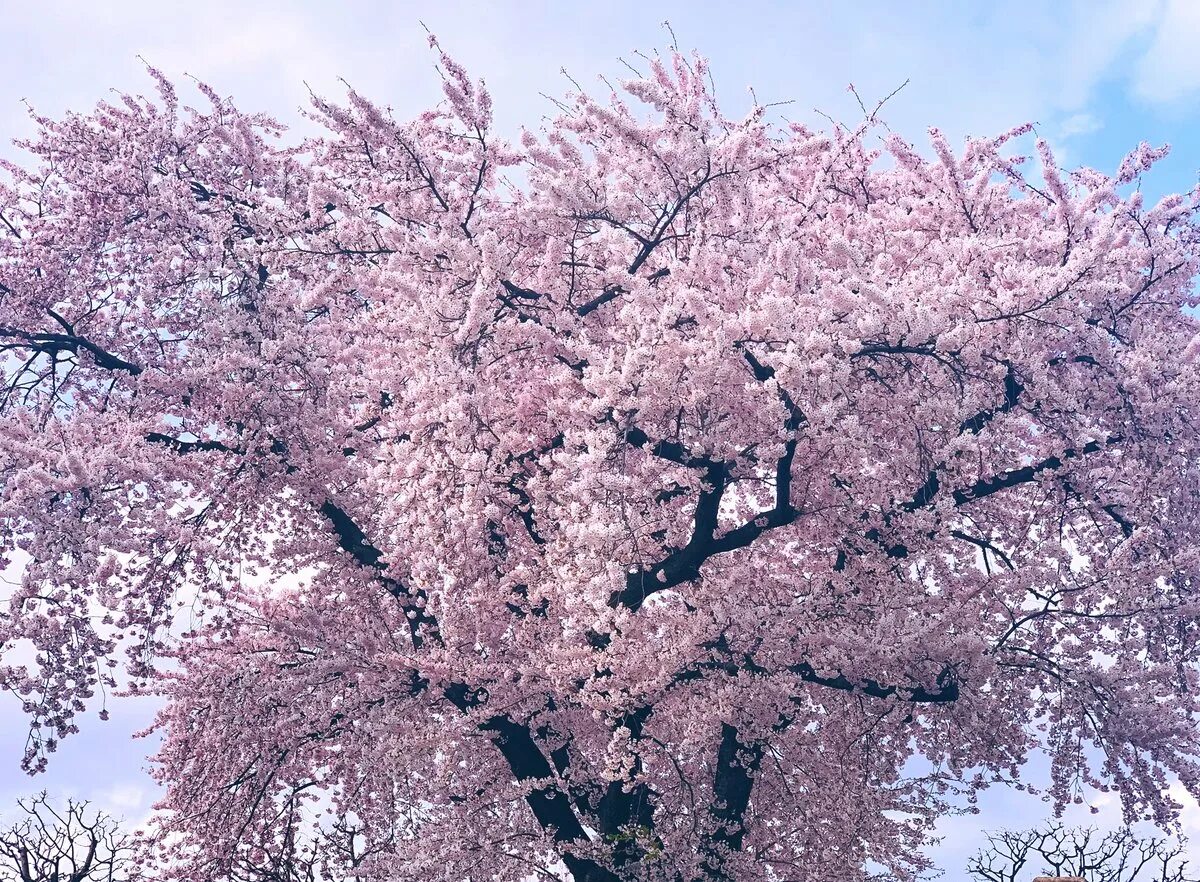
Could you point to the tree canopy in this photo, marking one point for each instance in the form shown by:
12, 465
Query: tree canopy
663, 496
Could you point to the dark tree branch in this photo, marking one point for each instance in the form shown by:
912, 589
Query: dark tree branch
872, 349
659, 233
983, 488
947, 686
647, 244
947, 691
672, 451
52, 343
985, 546
515, 742
1116, 856
187, 447
1122, 522
625, 814
733, 781
1012, 395
350, 537
353, 540
550, 805
68, 844
519, 292
612, 292
683, 565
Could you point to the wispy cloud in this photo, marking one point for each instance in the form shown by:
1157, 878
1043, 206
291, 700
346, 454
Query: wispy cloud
1168, 71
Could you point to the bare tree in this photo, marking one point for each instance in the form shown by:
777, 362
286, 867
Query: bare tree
1055, 850
71, 844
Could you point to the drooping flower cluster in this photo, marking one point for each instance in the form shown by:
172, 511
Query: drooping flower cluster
649, 519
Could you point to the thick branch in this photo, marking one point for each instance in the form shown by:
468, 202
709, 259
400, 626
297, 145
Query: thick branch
946, 692
353, 540
1015, 477
550, 805
186, 447
52, 343
623, 806
1012, 395
684, 564
672, 451
985, 487
947, 687
981, 489
612, 292
733, 780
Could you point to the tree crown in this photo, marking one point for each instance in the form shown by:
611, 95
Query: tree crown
646, 519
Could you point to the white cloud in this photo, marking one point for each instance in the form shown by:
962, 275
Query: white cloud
1078, 124
123, 799
1098, 37
1169, 70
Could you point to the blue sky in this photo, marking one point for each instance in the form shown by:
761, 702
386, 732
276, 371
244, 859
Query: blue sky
1095, 77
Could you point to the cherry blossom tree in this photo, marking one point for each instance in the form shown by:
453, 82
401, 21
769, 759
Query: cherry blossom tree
663, 496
